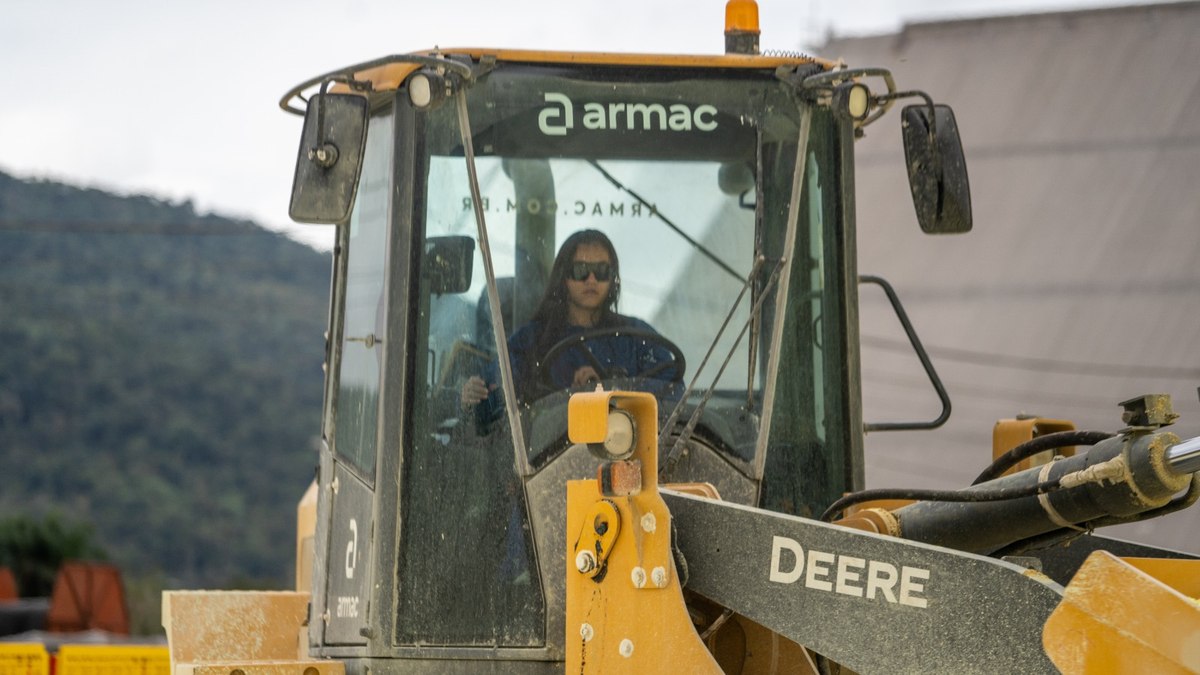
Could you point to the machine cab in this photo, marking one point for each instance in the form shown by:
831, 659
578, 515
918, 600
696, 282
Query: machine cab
729, 293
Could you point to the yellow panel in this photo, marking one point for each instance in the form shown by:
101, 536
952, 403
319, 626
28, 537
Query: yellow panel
1114, 618
1182, 575
1009, 433
306, 528
113, 660
627, 622
298, 667
219, 626
631, 617
390, 76
20, 658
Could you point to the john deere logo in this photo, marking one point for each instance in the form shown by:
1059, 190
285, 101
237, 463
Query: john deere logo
558, 117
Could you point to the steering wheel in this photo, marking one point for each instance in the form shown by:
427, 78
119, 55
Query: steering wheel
579, 341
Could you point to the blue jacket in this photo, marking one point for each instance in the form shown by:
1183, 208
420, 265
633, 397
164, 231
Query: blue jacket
621, 356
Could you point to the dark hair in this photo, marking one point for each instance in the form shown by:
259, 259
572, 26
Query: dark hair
551, 312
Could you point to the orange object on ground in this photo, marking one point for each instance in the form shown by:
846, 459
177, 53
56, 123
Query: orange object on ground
8, 585
88, 596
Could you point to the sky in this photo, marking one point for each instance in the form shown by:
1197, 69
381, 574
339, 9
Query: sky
179, 99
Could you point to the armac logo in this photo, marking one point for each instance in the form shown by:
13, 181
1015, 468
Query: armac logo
558, 117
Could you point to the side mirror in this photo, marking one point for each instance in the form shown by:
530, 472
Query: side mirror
330, 159
448, 264
937, 171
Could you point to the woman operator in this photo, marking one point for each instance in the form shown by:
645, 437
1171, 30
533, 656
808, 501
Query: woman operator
584, 287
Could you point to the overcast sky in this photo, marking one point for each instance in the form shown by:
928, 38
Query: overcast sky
179, 99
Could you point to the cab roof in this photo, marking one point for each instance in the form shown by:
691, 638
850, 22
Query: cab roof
388, 73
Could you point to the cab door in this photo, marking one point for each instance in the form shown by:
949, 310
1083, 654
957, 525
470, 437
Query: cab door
354, 421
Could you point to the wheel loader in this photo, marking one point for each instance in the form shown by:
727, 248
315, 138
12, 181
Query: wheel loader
707, 517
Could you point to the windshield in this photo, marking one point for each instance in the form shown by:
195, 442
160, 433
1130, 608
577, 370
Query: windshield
681, 252
636, 237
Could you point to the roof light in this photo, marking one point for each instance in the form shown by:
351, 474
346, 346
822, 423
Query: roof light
741, 15
426, 89
852, 99
741, 27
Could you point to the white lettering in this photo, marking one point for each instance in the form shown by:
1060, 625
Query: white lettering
845, 577
881, 576
847, 574
352, 550
593, 116
701, 123
558, 118
778, 544
681, 117
646, 111
347, 607
548, 118
909, 588
818, 562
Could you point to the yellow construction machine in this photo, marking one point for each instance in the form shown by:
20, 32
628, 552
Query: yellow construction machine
528, 533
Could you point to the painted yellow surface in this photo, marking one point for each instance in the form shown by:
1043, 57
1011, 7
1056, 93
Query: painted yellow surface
391, 76
19, 658
209, 626
1182, 575
301, 667
306, 529
630, 618
1115, 618
1009, 433
113, 660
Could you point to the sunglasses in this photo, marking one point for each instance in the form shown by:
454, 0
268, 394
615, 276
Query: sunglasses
581, 270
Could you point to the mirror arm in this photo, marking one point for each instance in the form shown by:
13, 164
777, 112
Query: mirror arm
925, 363
933, 131
322, 154
935, 151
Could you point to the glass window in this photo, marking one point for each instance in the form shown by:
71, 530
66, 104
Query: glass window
362, 332
807, 442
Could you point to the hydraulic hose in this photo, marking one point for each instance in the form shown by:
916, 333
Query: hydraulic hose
1062, 439
1118, 478
996, 495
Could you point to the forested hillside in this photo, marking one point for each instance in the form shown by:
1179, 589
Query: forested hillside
160, 379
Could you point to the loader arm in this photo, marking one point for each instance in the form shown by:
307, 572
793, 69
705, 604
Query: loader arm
870, 602
930, 609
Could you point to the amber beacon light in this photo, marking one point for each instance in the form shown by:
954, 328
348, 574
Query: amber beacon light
741, 27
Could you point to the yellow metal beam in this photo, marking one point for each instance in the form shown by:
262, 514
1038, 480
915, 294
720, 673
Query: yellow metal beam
625, 608
1116, 618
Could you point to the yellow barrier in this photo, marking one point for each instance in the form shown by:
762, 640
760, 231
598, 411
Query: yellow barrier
112, 660
24, 659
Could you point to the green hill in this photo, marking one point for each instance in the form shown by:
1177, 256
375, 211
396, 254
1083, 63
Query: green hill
160, 379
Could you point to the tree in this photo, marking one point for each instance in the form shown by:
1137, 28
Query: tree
34, 550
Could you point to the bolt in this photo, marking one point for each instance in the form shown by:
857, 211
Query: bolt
626, 648
587, 632
649, 522
585, 561
659, 576
639, 577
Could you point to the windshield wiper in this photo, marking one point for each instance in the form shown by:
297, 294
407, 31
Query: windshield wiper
673, 455
697, 245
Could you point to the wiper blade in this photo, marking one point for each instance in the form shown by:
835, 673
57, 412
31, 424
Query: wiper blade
673, 455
